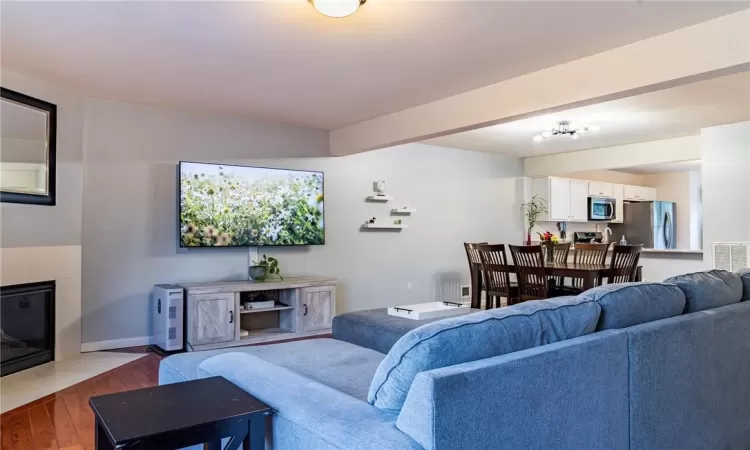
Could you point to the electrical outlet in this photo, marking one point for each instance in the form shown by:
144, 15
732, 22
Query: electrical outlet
408, 287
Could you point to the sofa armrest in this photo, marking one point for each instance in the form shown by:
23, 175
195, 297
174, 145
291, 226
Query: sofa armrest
330, 415
568, 395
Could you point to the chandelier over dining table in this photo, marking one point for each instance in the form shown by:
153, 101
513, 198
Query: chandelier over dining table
565, 128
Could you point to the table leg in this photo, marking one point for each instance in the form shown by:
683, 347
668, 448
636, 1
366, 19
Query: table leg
256, 438
100, 437
589, 281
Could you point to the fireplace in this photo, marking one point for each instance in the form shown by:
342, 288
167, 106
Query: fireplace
27, 326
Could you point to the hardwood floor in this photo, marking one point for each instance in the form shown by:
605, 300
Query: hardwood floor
64, 420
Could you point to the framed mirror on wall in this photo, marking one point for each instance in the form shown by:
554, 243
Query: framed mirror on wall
28, 131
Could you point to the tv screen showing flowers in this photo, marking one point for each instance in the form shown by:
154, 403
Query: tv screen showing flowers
237, 206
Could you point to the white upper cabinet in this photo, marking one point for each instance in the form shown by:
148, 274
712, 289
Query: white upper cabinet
600, 189
640, 193
567, 200
558, 199
647, 193
579, 201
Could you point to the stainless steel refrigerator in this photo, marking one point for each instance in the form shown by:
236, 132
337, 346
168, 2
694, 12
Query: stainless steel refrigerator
649, 223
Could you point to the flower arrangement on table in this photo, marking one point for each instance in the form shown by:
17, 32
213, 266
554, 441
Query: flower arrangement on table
549, 241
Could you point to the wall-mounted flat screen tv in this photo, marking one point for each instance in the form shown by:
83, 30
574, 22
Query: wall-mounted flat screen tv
223, 205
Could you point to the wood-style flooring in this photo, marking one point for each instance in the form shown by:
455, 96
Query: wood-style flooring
64, 420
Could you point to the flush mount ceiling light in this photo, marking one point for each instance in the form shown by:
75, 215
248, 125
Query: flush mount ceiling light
565, 129
337, 8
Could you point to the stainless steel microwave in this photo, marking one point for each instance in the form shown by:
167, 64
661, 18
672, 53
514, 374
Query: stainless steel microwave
602, 208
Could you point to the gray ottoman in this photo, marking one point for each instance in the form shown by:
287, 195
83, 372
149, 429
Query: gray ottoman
374, 328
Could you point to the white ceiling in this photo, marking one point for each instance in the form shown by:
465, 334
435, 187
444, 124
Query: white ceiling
282, 61
679, 111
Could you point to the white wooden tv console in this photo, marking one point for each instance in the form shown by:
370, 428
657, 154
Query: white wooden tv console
303, 307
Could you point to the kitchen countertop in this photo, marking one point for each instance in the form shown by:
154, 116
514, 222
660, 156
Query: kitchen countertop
673, 250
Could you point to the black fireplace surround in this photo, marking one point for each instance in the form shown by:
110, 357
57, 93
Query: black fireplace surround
27, 326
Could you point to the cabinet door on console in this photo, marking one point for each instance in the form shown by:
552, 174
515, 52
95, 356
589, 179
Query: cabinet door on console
212, 318
317, 305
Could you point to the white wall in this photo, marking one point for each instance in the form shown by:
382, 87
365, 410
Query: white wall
726, 184
640, 154
130, 211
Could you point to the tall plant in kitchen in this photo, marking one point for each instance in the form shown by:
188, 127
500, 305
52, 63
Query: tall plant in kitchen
532, 210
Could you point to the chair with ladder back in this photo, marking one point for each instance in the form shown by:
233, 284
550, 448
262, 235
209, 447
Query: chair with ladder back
496, 276
624, 264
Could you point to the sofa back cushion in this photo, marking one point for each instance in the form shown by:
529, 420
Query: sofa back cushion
745, 277
709, 289
477, 336
627, 304
688, 381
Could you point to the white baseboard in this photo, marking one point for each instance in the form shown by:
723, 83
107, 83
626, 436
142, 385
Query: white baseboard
116, 343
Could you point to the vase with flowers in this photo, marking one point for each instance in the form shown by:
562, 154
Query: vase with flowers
549, 241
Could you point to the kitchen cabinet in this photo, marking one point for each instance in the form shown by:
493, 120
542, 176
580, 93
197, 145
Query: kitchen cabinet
618, 193
567, 200
640, 193
600, 189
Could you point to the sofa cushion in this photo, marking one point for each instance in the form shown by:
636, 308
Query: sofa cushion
709, 289
628, 304
337, 364
745, 277
477, 336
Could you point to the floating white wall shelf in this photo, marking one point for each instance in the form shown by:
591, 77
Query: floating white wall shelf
403, 210
375, 226
380, 198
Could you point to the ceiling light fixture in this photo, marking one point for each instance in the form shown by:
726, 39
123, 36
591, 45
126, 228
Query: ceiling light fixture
337, 8
564, 128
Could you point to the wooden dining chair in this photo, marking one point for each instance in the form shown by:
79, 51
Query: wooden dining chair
624, 264
530, 272
560, 255
586, 254
496, 276
562, 250
475, 271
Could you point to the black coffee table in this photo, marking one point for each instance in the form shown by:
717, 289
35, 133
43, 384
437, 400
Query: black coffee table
179, 415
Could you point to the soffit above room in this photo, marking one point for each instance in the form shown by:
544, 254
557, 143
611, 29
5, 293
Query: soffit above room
283, 61
667, 167
679, 111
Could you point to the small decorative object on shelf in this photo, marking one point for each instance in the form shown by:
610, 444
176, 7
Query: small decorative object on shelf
263, 268
549, 241
532, 210
397, 222
370, 221
380, 196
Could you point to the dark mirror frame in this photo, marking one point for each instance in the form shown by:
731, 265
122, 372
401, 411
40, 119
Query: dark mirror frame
48, 199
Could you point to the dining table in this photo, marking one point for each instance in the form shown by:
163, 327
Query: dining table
588, 273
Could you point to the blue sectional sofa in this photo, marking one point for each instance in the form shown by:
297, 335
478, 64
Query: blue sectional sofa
629, 366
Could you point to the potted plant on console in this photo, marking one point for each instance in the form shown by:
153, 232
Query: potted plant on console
263, 269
